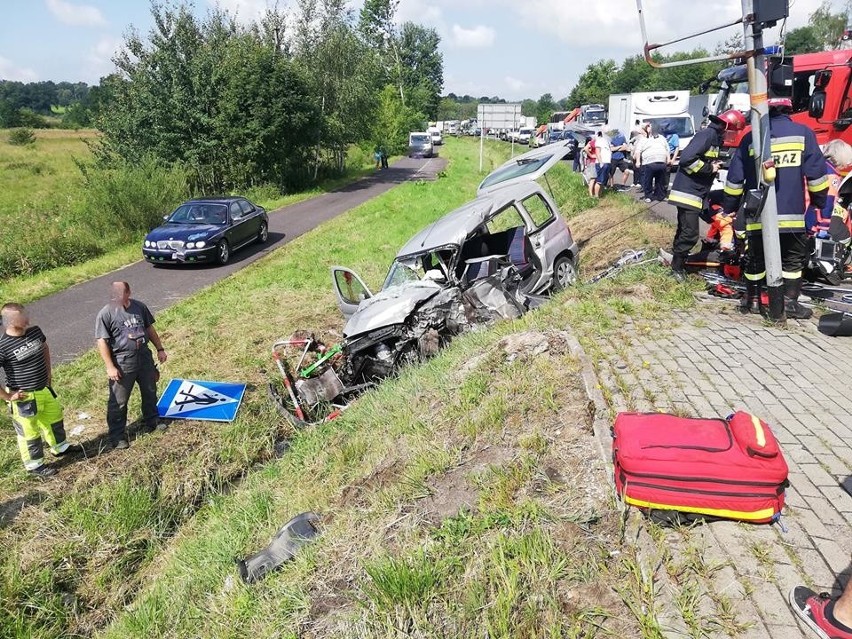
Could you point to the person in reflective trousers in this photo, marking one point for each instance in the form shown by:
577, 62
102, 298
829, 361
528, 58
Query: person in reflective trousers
699, 164
798, 162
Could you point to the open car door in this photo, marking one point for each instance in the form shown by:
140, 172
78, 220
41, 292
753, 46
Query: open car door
350, 290
527, 167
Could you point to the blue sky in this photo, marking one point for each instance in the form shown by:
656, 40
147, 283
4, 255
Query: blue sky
511, 48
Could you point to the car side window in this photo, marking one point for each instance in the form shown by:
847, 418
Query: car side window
236, 213
245, 206
508, 218
538, 210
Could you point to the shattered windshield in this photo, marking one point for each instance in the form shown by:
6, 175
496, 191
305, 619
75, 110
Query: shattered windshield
519, 168
429, 266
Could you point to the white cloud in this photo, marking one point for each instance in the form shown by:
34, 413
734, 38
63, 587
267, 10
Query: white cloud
245, 10
76, 15
8, 71
100, 57
479, 37
615, 23
420, 12
514, 84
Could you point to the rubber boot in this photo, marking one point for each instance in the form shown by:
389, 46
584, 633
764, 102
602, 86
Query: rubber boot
751, 303
792, 308
679, 267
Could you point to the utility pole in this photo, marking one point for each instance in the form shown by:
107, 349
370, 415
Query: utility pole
757, 87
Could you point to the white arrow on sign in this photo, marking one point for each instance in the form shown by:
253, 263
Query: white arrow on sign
191, 396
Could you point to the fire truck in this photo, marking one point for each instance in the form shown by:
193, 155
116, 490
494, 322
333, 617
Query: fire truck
819, 84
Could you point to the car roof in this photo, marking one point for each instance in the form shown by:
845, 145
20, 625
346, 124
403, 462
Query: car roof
215, 200
455, 226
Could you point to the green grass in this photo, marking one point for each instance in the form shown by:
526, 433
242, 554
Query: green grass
463, 498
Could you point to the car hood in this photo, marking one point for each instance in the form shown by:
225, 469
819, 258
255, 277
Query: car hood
185, 232
390, 306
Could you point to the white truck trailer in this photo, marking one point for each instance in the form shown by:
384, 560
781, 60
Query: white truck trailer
669, 110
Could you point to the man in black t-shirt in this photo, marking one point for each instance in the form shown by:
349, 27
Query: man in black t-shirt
36, 411
123, 329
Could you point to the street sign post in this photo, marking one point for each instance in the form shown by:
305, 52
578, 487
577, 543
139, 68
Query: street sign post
497, 116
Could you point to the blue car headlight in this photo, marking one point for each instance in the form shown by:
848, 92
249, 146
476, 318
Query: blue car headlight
200, 244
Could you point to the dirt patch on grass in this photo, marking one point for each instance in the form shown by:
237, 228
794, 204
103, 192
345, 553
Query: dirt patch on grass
614, 226
453, 491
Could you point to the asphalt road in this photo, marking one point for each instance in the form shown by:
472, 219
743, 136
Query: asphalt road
68, 318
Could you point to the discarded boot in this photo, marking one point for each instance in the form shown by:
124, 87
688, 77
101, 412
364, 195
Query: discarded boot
792, 308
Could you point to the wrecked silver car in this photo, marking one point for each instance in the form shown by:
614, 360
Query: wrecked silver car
492, 258
487, 259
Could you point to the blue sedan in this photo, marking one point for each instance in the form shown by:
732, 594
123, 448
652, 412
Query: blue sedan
206, 230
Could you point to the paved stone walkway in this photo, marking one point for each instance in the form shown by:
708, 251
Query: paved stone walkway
710, 362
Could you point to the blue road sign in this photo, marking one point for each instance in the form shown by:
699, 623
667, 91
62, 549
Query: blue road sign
208, 401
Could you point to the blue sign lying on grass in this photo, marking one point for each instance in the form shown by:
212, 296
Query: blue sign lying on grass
209, 401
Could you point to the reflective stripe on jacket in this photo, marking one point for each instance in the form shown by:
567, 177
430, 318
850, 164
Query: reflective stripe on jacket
695, 173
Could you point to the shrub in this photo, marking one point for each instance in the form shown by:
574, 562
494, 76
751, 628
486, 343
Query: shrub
21, 137
122, 200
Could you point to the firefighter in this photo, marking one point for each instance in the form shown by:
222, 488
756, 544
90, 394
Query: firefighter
798, 160
699, 164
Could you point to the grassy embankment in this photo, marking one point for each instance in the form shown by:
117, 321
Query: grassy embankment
49, 236
464, 498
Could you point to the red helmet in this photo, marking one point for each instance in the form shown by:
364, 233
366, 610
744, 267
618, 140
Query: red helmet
733, 120
780, 103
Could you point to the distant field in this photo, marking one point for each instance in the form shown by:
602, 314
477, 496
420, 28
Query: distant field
37, 181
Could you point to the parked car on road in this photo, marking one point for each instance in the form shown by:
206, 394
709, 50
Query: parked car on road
420, 145
206, 230
524, 135
437, 138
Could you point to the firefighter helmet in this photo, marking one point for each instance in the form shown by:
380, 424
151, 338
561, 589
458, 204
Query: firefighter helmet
733, 120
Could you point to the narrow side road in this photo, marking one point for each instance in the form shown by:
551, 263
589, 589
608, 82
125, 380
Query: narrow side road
68, 317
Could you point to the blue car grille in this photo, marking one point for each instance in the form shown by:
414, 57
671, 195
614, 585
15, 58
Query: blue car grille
175, 245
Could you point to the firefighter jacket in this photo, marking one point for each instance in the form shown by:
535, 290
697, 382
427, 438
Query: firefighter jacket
695, 175
798, 160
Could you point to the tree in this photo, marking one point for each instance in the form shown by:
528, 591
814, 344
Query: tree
379, 31
827, 26
394, 120
544, 108
594, 85
802, 40
212, 96
423, 67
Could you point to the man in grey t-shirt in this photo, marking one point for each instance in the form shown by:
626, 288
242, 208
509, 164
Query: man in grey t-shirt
123, 329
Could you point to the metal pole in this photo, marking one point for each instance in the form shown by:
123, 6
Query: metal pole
757, 83
481, 138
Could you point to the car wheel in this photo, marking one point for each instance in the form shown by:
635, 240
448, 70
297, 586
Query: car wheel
564, 274
223, 252
263, 233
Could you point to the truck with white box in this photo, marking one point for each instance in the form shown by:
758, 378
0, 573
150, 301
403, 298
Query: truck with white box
669, 110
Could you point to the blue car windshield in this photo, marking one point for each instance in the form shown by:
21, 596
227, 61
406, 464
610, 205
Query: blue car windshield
200, 213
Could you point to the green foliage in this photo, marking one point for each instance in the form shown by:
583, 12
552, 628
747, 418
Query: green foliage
126, 199
21, 137
827, 26
802, 40
211, 95
409, 56
394, 121
595, 84
41, 97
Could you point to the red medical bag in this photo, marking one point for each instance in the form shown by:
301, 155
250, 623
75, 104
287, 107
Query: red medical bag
719, 468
